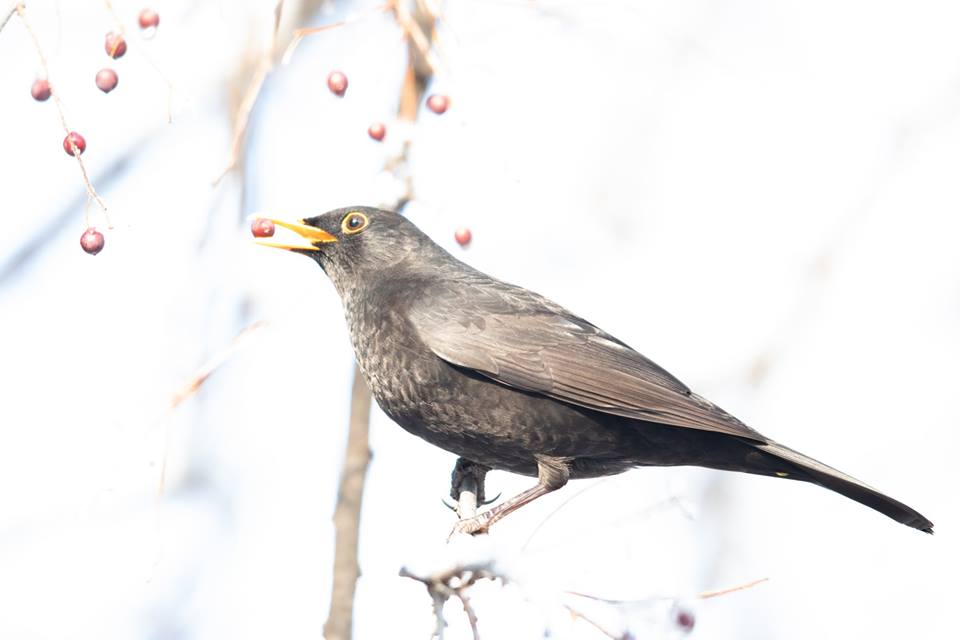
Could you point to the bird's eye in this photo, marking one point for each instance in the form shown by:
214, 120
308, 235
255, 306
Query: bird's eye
354, 222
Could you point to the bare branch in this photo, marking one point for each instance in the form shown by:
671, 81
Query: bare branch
468, 609
451, 581
468, 560
346, 517
415, 34
439, 600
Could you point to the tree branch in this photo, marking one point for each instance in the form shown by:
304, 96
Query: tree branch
347, 515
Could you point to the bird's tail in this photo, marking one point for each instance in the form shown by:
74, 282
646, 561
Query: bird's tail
808, 469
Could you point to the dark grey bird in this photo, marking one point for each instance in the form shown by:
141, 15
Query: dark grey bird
507, 379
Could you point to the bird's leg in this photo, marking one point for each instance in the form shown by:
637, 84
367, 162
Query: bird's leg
552, 473
467, 486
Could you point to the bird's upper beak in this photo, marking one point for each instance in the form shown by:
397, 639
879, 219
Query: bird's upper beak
312, 236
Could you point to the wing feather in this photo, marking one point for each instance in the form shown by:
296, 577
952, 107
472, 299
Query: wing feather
523, 340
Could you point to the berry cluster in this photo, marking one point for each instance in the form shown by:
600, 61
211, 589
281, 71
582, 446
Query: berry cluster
438, 103
106, 80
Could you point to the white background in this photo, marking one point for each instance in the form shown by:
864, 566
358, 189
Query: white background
761, 196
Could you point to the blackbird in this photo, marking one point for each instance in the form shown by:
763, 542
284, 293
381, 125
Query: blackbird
507, 379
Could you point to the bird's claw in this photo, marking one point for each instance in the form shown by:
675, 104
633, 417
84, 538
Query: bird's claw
471, 526
484, 503
452, 506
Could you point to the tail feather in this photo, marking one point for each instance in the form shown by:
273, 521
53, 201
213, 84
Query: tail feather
828, 477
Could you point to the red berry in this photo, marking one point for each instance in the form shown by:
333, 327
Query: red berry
40, 89
91, 241
337, 82
438, 103
72, 140
463, 236
684, 620
107, 80
377, 131
262, 228
149, 19
115, 45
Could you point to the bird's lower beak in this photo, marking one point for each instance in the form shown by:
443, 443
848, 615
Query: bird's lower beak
312, 236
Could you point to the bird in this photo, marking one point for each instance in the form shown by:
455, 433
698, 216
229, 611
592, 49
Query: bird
507, 379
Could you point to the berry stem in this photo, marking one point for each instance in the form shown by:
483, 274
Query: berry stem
166, 80
21, 13
116, 19
7, 14
121, 31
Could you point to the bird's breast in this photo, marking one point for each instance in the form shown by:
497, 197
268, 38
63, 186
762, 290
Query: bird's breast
395, 364
460, 410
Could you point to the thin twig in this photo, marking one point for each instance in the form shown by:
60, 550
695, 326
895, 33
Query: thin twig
242, 116
561, 506
38, 242
9, 13
116, 19
575, 614
194, 383
703, 596
723, 592
170, 87
454, 581
21, 12
200, 376
300, 34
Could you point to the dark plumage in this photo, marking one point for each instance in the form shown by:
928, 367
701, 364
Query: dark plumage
507, 379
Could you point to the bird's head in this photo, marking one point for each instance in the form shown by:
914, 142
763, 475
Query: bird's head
354, 244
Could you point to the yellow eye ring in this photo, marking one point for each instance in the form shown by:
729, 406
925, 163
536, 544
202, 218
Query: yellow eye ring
354, 222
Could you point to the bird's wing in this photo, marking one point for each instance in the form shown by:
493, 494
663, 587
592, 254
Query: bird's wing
525, 341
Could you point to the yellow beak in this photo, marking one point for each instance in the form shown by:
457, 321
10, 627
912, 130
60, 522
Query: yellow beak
312, 236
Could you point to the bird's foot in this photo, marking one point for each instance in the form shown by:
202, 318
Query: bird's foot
472, 526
